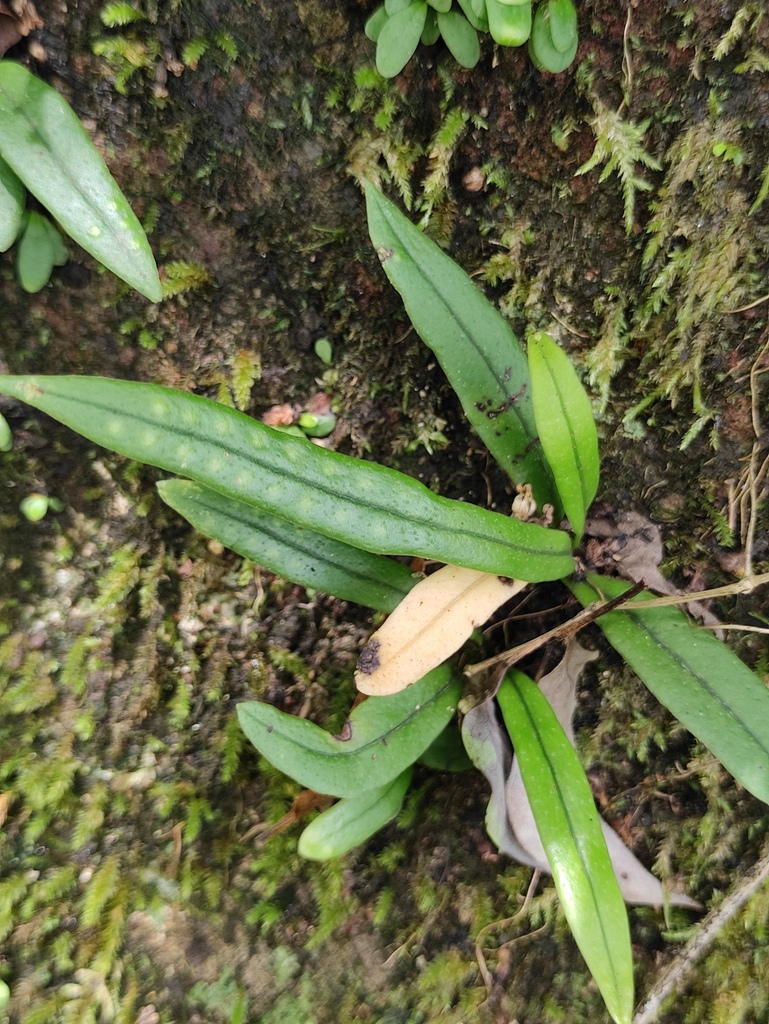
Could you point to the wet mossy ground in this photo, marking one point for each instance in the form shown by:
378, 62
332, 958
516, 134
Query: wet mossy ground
127, 891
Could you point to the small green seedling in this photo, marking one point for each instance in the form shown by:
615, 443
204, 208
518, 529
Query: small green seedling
37, 506
332, 523
45, 150
398, 27
6, 436
324, 351
40, 248
34, 507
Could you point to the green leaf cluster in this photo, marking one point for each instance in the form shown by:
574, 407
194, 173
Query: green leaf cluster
45, 150
398, 27
331, 522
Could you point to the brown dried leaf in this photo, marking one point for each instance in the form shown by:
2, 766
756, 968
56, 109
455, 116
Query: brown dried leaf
26, 16
9, 32
429, 625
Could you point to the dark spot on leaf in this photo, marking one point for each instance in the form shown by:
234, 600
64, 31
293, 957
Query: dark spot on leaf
369, 658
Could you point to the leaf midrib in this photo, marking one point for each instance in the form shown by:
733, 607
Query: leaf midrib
593, 895
314, 554
337, 752
641, 624
71, 179
318, 485
509, 396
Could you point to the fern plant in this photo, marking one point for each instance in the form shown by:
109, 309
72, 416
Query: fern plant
619, 144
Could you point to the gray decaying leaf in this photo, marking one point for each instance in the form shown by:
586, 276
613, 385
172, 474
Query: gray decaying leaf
632, 544
509, 818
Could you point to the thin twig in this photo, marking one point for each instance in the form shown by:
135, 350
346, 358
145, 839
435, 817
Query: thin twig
627, 60
734, 625
571, 330
744, 309
744, 586
562, 632
504, 923
754, 457
707, 933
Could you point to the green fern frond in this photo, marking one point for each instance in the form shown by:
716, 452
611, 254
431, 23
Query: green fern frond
117, 583
193, 51
246, 371
126, 56
739, 24
183, 276
763, 191
607, 357
101, 888
227, 44
756, 62
619, 145
117, 14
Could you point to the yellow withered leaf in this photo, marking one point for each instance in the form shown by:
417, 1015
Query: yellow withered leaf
429, 625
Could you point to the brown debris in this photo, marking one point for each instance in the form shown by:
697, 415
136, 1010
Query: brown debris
17, 21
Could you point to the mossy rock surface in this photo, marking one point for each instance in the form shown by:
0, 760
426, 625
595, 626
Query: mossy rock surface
136, 879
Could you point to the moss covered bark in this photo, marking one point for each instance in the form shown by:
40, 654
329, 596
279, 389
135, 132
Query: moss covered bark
127, 889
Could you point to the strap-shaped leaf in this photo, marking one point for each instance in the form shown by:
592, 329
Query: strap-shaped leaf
566, 427
300, 555
570, 829
696, 676
353, 820
12, 198
478, 351
354, 501
382, 737
46, 145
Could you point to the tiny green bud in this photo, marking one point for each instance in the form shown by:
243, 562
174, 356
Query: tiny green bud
317, 426
292, 429
324, 351
34, 507
5, 995
6, 437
